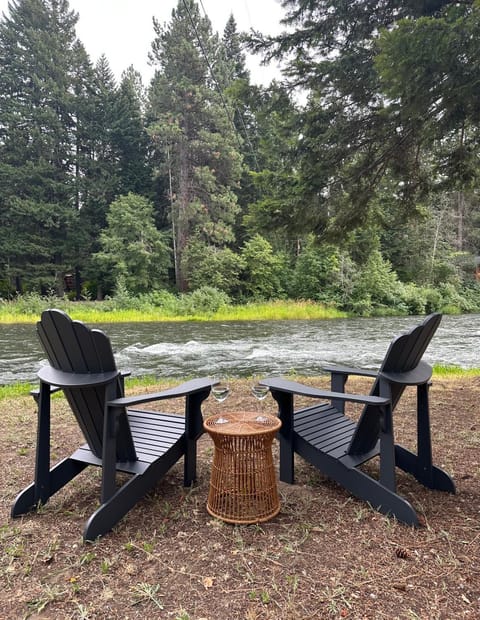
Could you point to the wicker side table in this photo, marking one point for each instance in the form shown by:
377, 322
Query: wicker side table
243, 484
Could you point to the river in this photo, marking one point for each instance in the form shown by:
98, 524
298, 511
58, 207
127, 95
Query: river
247, 348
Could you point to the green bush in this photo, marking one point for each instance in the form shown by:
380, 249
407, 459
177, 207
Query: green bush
318, 275
433, 301
456, 301
212, 266
165, 300
122, 298
376, 289
204, 299
262, 270
414, 297
33, 303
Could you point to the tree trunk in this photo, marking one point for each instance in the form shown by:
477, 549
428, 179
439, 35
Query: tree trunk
78, 284
181, 212
460, 218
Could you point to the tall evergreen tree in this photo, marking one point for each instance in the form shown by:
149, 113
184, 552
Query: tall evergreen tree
130, 138
234, 54
245, 99
195, 144
97, 165
101, 169
37, 118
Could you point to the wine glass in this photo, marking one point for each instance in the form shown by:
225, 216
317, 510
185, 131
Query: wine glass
260, 392
220, 391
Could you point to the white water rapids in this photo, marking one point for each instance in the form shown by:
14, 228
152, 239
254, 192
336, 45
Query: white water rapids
247, 348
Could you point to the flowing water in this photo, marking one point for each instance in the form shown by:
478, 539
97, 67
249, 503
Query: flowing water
247, 348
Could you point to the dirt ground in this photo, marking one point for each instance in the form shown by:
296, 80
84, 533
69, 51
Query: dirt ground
326, 555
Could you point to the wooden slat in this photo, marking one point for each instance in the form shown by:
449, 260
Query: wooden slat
51, 340
325, 428
89, 423
313, 424
404, 353
86, 358
103, 350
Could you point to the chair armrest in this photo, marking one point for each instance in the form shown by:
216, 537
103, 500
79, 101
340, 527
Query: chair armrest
293, 387
184, 389
36, 391
55, 388
345, 370
422, 373
61, 379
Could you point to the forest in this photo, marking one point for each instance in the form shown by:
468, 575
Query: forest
352, 181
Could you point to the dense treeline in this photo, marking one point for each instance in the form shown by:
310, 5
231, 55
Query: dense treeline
365, 196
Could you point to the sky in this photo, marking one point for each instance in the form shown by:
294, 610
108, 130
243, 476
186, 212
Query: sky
123, 31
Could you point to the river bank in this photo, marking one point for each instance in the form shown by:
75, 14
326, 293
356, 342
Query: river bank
28, 311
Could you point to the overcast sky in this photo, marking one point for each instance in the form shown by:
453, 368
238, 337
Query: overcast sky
123, 31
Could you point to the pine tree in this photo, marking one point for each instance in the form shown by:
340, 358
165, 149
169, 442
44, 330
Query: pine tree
386, 91
132, 251
191, 127
130, 138
234, 55
37, 122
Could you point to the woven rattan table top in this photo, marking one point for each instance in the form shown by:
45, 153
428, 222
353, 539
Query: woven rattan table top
242, 423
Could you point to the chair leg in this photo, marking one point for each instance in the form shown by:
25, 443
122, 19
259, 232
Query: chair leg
190, 463
125, 497
193, 430
110, 513
387, 451
285, 434
58, 477
382, 499
424, 442
372, 491
421, 465
359, 484
42, 458
437, 478
286, 461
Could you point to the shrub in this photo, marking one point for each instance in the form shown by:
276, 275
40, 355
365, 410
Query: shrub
376, 289
165, 300
318, 274
262, 275
414, 297
208, 265
204, 299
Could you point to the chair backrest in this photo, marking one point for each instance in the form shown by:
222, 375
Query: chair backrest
73, 347
404, 354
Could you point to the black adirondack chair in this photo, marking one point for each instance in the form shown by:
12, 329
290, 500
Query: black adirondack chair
324, 436
120, 437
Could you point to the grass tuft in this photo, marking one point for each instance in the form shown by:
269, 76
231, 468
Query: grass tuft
451, 371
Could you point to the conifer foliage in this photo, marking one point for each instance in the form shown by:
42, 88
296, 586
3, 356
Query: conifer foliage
363, 192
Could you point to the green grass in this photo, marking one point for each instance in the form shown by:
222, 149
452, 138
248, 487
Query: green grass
454, 371
277, 311
95, 312
15, 390
131, 383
